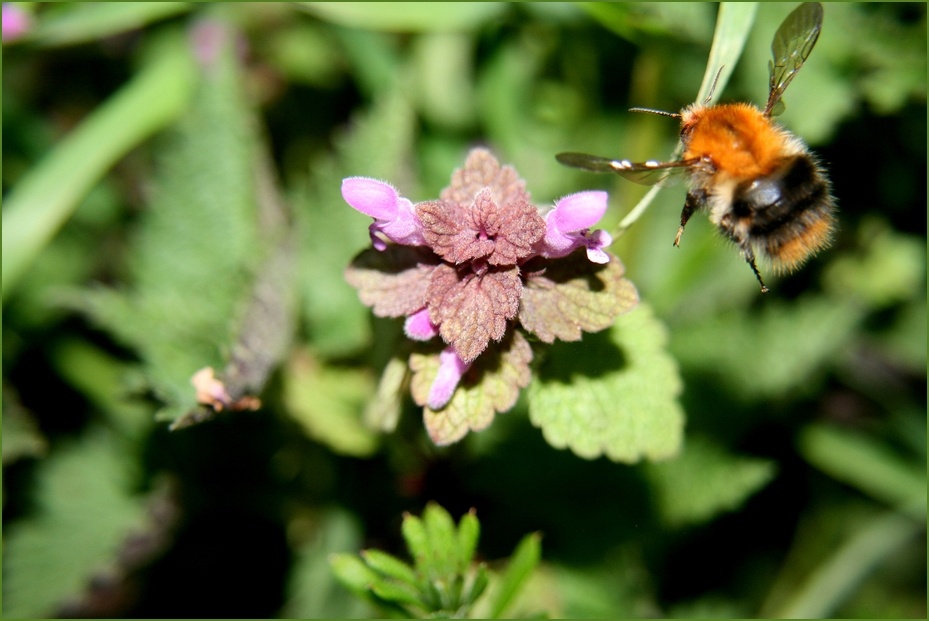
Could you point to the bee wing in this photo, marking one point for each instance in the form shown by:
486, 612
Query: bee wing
792, 44
645, 173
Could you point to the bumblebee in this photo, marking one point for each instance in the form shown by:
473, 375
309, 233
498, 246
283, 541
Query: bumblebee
759, 184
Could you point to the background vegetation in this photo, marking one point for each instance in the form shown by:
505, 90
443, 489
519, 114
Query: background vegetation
169, 205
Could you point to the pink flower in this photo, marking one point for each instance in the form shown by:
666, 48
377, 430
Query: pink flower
567, 227
394, 216
451, 368
16, 22
479, 267
419, 327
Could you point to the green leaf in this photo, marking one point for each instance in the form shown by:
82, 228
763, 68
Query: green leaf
390, 566
778, 351
525, 559
21, 435
396, 593
475, 586
443, 543
201, 237
704, 481
444, 78
574, 295
407, 16
687, 21
733, 24
85, 512
469, 531
613, 394
417, 540
106, 382
890, 267
857, 460
43, 200
89, 21
328, 403
353, 572
366, 583
382, 412
332, 233
489, 387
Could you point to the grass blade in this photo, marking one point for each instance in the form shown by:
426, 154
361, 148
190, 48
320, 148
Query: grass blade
46, 196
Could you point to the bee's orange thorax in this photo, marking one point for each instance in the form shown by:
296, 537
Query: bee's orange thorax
738, 138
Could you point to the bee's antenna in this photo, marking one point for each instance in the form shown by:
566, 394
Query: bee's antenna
675, 115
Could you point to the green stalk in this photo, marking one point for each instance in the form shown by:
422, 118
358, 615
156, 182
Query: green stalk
835, 580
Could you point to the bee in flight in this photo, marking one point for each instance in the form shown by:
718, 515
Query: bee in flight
759, 183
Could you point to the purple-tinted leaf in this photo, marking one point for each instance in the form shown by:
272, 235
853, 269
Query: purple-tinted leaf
563, 298
392, 282
448, 229
471, 309
482, 170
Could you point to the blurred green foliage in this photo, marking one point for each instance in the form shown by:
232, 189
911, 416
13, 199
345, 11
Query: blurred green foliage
170, 179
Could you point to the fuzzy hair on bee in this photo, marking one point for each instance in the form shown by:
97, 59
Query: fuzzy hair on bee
758, 183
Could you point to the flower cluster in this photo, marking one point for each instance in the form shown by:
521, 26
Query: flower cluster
478, 268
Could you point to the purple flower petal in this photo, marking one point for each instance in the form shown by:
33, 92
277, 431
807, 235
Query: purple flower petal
16, 22
577, 212
451, 368
596, 241
371, 197
418, 326
394, 216
567, 227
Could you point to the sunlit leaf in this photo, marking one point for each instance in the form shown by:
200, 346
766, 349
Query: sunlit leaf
733, 24
613, 394
469, 531
328, 403
390, 566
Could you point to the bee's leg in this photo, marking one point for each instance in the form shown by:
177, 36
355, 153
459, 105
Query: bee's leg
749, 255
694, 200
